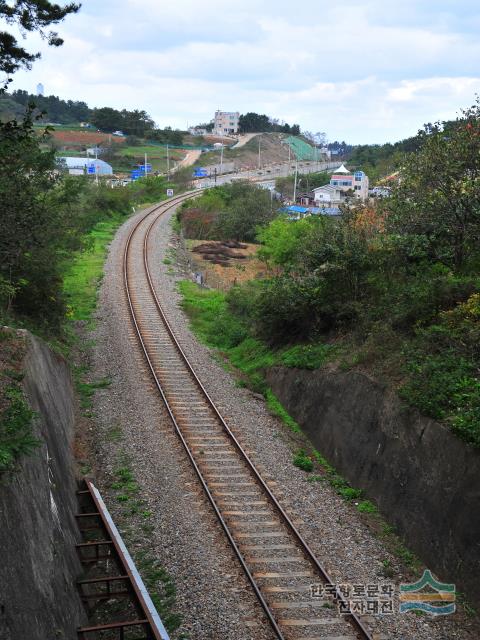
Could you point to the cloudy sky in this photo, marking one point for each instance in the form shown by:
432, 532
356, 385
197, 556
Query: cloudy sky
364, 71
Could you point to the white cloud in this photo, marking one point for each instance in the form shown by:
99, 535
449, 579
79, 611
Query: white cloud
362, 71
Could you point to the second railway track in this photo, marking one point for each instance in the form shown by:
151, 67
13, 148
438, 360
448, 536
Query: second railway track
277, 561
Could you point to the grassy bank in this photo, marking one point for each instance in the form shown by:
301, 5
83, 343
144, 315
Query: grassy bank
217, 327
16, 417
85, 272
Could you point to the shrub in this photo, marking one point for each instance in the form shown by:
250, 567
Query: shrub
309, 356
442, 364
302, 461
16, 437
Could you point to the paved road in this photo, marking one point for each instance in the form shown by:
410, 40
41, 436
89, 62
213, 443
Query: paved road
242, 140
269, 172
190, 158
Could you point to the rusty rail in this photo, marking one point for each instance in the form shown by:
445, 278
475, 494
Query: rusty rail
356, 622
111, 550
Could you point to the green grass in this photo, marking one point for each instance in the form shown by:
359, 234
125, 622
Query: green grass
16, 417
367, 507
16, 437
87, 390
277, 409
309, 356
159, 583
156, 156
217, 327
84, 274
302, 461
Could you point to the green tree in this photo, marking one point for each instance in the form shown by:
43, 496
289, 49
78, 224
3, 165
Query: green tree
305, 182
435, 209
29, 15
136, 122
256, 123
282, 241
249, 207
167, 136
107, 119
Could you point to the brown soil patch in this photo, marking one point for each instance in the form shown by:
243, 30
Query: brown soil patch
224, 264
84, 137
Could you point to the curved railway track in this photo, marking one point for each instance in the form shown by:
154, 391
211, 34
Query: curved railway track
277, 561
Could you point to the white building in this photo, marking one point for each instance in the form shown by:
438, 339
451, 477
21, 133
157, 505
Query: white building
197, 131
82, 166
354, 184
226, 123
327, 196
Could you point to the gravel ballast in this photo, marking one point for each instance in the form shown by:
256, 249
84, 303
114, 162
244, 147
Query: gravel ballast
213, 595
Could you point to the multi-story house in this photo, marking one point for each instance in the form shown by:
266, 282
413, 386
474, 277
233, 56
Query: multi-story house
343, 183
355, 184
226, 123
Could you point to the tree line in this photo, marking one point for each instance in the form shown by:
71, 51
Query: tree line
255, 123
55, 110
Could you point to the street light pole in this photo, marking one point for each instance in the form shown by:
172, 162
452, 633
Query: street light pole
295, 183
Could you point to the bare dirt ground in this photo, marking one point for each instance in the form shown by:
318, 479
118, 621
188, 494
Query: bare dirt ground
245, 157
225, 276
242, 140
190, 158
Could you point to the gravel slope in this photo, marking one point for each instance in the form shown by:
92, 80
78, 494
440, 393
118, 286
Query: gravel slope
213, 595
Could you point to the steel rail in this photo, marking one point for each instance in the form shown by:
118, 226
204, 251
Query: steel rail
211, 499
352, 617
136, 590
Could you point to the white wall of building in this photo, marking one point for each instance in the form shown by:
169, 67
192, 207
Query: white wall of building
226, 122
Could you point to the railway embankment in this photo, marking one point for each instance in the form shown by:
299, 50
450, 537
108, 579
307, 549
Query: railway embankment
425, 480
37, 508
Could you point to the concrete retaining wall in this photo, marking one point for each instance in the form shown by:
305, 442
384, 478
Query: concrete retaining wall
39, 565
424, 479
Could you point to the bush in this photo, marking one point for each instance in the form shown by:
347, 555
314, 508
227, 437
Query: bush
302, 461
231, 211
16, 437
442, 363
309, 356
208, 313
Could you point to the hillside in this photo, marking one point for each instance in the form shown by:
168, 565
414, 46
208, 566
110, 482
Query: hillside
274, 148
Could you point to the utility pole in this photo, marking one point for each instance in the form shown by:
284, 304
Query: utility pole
146, 173
168, 165
295, 184
221, 160
259, 153
96, 164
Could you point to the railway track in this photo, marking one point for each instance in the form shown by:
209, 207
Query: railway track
278, 563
